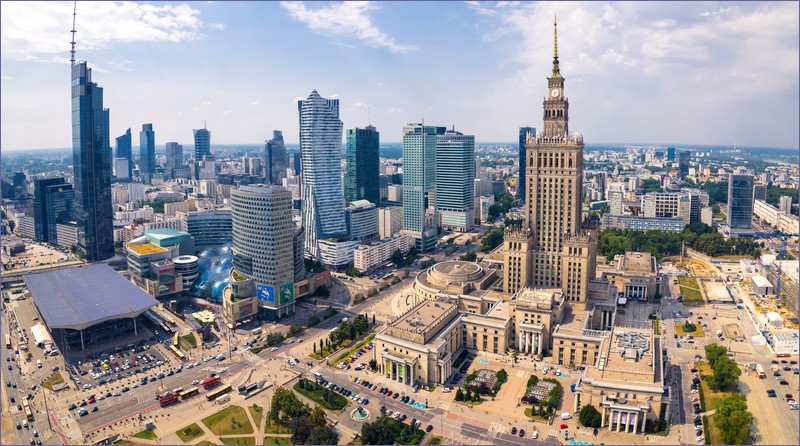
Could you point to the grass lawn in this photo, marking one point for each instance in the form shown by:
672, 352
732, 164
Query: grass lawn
53, 380
710, 400
188, 341
690, 290
125, 442
238, 440
146, 435
326, 351
434, 440
315, 392
190, 432
529, 414
277, 440
256, 412
229, 421
698, 333
206, 442
355, 348
274, 428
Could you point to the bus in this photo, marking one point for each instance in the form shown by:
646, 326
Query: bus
8, 340
214, 394
760, 371
166, 400
188, 393
177, 352
26, 407
175, 341
210, 383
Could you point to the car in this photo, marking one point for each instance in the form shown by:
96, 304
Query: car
83, 412
522, 433
389, 392
429, 428
116, 394
72, 406
83, 404
274, 349
403, 417
789, 396
12, 400
535, 435
694, 370
395, 395
783, 361
9, 367
771, 393
775, 361
514, 430
396, 415
783, 382
95, 409
19, 426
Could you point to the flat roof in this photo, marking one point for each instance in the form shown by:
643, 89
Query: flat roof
80, 297
638, 262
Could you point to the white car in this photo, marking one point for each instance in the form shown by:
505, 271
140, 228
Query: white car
274, 349
190, 366
446, 390
195, 382
535, 435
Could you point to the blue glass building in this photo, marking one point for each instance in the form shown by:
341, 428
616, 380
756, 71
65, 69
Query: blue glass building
124, 150
147, 152
363, 165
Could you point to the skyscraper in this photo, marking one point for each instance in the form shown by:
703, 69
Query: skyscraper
275, 158
524, 134
363, 165
740, 203
53, 203
671, 153
683, 163
322, 211
91, 159
419, 184
124, 151
455, 180
552, 249
147, 153
174, 157
785, 204
262, 248
202, 143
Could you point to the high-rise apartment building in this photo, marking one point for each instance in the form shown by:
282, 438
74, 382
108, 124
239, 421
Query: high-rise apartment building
524, 134
322, 212
275, 158
202, 143
455, 180
91, 160
124, 150
667, 205
419, 184
147, 153
53, 203
740, 203
363, 165
174, 158
785, 204
552, 249
262, 252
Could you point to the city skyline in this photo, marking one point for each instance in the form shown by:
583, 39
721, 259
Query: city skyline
674, 73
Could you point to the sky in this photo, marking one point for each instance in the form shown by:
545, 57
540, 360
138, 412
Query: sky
716, 73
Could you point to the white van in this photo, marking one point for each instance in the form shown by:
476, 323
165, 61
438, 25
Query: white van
39, 363
566, 416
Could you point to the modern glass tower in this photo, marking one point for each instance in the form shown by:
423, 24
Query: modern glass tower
363, 165
455, 180
419, 183
124, 150
174, 157
322, 209
91, 159
524, 134
740, 202
53, 202
275, 158
147, 152
202, 143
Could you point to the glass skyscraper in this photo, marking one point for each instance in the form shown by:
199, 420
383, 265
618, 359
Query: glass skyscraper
455, 180
363, 165
322, 210
419, 183
174, 157
740, 202
147, 152
53, 202
91, 159
524, 133
202, 143
275, 158
124, 150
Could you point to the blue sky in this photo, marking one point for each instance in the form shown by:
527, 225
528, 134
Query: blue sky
719, 73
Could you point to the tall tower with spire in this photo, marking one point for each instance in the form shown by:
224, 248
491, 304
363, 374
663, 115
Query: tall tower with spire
553, 250
91, 158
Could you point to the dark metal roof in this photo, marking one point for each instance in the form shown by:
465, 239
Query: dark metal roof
83, 296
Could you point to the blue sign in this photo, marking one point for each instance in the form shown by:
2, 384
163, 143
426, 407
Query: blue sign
266, 293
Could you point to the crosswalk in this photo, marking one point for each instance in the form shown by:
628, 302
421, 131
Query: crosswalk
521, 373
497, 429
462, 439
445, 406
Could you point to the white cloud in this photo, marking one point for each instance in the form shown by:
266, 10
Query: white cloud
359, 105
345, 19
481, 10
6, 78
254, 103
39, 31
219, 26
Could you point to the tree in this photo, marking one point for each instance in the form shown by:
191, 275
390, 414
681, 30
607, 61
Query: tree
323, 291
321, 346
295, 329
726, 373
714, 352
589, 416
689, 327
459, 395
733, 419
315, 348
373, 319
373, 364
492, 240
397, 257
11, 225
469, 256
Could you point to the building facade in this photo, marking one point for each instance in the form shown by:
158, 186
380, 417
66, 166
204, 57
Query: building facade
363, 165
740, 203
275, 158
147, 153
362, 221
524, 134
53, 202
390, 220
202, 143
419, 184
174, 159
211, 228
370, 256
124, 150
669, 224
455, 180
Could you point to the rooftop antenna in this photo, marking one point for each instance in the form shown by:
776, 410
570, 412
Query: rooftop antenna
204, 125
369, 116
72, 51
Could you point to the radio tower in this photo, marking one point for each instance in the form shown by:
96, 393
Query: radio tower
72, 51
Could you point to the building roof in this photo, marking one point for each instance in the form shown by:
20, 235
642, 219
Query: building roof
80, 297
145, 248
166, 236
761, 281
635, 262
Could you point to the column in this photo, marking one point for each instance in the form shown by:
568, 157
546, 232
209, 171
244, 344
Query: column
635, 422
603, 418
619, 420
644, 420
135, 333
610, 419
82, 347
541, 347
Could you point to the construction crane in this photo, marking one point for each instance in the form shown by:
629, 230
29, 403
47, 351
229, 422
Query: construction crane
781, 253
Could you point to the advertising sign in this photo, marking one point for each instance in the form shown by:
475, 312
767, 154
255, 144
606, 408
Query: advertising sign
266, 293
287, 293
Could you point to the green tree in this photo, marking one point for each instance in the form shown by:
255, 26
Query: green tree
733, 419
397, 257
323, 291
714, 352
373, 364
469, 256
492, 240
726, 373
459, 395
590, 416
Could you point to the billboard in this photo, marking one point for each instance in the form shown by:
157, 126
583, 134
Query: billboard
266, 293
287, 293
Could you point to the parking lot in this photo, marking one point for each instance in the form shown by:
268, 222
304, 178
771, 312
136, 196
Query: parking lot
36, 254
130, 361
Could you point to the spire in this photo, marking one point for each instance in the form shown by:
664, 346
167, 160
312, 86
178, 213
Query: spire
556, 72
72, 50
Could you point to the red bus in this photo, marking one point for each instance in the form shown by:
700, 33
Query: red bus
166, 400
212, 382
782, 355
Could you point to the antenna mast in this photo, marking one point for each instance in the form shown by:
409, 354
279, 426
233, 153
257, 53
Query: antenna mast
72, 51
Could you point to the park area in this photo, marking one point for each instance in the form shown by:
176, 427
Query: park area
189, 433
690, 290
229, 421
684, 328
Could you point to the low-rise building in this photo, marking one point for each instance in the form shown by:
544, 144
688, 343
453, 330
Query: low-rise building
150, 260
369, 256
668, 224
634, 274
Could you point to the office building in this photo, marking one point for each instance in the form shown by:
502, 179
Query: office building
363, 165
552, 249
778, 219
322, 210
174, 158
53, 203
390, 221
394, 193
740, 203
122, 169
124, 151
147, 153
683, 163
640, 223
665, 204
211, 228
760, 192
419, 184
150, 263
455, 180
671, 153
634, 274
91, 160
275, 159
202, 143
362, 221
524, 134
263, 261
785, 204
